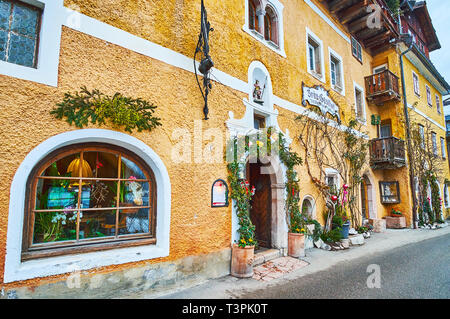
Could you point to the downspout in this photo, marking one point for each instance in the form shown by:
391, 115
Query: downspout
408, 129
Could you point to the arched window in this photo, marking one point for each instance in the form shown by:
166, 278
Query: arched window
253, 17
88, 197
270, 25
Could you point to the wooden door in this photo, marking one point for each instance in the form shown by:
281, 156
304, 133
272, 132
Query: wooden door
261, 211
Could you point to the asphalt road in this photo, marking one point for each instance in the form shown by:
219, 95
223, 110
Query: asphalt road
419, 270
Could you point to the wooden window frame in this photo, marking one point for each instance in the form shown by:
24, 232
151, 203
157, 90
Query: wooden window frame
38, 29
41, 250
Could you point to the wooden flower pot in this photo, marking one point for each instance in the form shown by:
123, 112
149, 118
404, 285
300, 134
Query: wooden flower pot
296, 245
242, 261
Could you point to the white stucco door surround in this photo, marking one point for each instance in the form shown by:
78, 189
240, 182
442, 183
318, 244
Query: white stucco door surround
16, 270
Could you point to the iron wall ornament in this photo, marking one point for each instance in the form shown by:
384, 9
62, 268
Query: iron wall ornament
206, 62
219, 194
320, 97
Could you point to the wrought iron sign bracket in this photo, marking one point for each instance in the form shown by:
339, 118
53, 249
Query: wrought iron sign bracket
206, 62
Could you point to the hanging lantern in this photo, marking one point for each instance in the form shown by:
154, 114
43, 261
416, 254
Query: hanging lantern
74, 168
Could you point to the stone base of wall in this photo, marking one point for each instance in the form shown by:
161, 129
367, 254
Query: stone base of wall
379, 225
154, 279
395, 222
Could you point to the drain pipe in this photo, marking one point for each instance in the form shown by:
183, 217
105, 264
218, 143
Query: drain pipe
408, 135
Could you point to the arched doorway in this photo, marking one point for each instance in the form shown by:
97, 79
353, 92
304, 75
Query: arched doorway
261, 211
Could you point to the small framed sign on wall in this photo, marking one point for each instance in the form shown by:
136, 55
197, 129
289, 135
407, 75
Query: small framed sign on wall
219, 194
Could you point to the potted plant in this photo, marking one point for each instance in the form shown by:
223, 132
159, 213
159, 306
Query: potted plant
296, 240
340, 219
242, 253
396, 213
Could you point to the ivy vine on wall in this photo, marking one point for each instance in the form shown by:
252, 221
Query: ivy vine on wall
98, 108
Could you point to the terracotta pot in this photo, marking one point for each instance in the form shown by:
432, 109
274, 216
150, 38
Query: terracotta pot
242, 261
296, 245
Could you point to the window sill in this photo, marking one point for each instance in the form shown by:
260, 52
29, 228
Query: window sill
269, 44
338, 90
318, 76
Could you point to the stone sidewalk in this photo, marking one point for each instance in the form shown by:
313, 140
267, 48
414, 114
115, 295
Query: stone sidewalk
287, 268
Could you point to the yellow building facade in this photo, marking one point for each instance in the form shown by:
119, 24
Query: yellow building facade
145, 49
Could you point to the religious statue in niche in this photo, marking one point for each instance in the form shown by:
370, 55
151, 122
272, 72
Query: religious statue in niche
258, 93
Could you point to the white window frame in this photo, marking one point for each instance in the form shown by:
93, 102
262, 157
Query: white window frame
416, 84
434, 143
278, 7
312, 36
438, 104
331, 172
362, 118
352, 39
429, 98
16, 270
46, 71
385, 66
333, 54
444, 155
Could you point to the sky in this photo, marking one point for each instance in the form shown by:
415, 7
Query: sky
439, 12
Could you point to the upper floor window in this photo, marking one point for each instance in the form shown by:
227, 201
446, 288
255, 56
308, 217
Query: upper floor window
443, 147
434, 143
336, 73
356, 49
422, 135
429, 100
416, 84
264, 23
359, 103
89, 197
315, 56
270, 26
19, 32
253, 22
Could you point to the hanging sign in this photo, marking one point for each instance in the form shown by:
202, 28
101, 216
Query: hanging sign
219, 194
320, 97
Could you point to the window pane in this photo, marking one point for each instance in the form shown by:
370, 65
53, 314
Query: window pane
104, 165
135, 221
102, 194
24, 21
58, 194
21, 50
54, 226
131, 170
5, 12
96, 224
67, 167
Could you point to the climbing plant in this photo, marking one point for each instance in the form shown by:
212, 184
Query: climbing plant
93, 106
328, 145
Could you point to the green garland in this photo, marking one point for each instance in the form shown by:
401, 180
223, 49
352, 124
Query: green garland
242, 194
290, 160
97, 107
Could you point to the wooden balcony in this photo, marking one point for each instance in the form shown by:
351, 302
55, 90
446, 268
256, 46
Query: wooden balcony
387, 153
382, 87
356, 16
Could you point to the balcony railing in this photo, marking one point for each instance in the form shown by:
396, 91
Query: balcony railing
387, 153
382, 87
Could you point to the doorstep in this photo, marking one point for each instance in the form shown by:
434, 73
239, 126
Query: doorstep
264, 255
